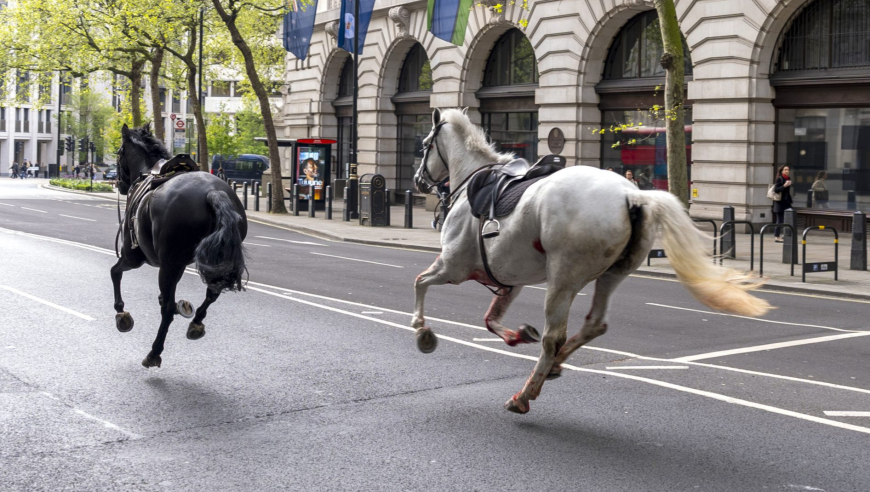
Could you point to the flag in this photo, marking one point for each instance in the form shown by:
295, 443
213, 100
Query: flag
447, 19
346, 29
298, 26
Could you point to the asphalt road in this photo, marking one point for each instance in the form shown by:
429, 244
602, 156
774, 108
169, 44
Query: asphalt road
311, 380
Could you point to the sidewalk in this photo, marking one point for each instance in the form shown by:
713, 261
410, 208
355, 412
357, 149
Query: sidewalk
422, 237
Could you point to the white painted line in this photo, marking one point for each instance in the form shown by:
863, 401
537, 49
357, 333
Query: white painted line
355, 259
834, 413
713, 313
246, 243
290, 241
47, 303
544, 288
373, 312
643, 368
486, 339
96, 249
35, 210
8, 205
663, 384
80, 218
106, 423
769, 346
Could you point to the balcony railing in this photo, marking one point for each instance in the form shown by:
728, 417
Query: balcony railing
41, 128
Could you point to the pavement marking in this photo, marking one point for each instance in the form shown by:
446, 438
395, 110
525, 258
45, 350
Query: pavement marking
643, 368
96, 249
106, 423
487, 340
769, 346
835, 413
7, 204
47, 303
373, 312
290, 241
713, 313
544, 288
663, 384
35, 210
246, 243
73, 217
355, 259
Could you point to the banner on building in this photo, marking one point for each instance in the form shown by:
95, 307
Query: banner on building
346, 29
298, 26
448, 19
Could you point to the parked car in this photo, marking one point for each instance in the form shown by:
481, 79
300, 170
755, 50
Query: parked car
110, 174
245, 168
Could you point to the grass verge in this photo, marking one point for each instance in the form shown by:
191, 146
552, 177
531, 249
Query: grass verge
82, 185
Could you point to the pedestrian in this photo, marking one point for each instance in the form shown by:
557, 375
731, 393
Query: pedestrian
629, 175
610, 169
14, 169
820, 190
76, 171
782, 186
221, 173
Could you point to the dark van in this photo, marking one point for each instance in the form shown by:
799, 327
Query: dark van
245, 168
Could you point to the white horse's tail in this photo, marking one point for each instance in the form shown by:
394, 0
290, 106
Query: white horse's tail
719, 288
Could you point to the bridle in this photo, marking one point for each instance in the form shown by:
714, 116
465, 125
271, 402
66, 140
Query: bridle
424, 171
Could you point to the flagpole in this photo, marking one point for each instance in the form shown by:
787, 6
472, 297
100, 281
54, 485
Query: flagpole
353, 179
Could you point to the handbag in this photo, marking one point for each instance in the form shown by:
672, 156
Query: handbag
821, 195
772, 194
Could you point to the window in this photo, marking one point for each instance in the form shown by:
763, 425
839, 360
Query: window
162, 95
65, 87
512, 61
220, 89
238, 91
176, 101
22, 86
516, 133
416, 72
637, 50
2, 119
413, 128
345, 80
47, 121
827, 35
345, 132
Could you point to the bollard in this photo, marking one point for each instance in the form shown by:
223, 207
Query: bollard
388, 204
329, 203
810, 199
409, 210
850, 201
245, 193
256, 196
269, 197
789, 238
294, 200
859, 242
728, 241
311, 205
345, 214
235, 187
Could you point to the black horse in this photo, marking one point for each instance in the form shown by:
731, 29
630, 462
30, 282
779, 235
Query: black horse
191, 217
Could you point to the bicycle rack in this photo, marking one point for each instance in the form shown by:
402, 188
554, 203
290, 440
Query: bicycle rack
660, 253
761, 246
751, 240
713, 222
823, 266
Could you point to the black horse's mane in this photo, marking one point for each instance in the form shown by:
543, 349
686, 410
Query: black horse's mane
147, 144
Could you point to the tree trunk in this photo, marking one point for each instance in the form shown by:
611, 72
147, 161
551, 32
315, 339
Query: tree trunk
135, 93
156, 65
263, 98
202, 157
672, 61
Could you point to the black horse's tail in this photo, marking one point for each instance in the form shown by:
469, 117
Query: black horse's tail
220, 257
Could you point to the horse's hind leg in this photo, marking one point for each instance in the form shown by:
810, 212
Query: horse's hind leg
495, 313
196, 329
167, 279
123, 320
558, 305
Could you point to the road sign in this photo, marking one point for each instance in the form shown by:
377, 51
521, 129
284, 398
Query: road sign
179, 124
172, 117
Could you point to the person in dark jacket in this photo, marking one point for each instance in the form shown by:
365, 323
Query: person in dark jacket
14, 170
782, 185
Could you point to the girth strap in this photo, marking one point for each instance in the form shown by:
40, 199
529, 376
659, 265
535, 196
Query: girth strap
503, 289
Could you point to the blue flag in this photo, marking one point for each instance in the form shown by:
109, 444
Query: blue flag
346, 29
298, 26
448, 19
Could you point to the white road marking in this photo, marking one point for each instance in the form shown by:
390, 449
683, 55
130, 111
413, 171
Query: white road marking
755, 319
355, 259
35, 210
290, 241
835, 413
769, 346
106, 423
642, 368
47, 303
663, 384
80, 218
8, 205
246, 243
96, 249
373, 312
487, 339
544, 288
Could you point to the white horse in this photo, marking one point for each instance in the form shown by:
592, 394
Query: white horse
579, 225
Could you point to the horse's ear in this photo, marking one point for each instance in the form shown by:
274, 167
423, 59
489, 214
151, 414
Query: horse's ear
465, 111
146, 127
436, 117
125, 131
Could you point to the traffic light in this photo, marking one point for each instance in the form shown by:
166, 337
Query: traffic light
83, 144
68, 143
93, 147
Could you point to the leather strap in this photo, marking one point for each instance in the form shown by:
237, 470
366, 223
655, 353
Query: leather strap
504, 289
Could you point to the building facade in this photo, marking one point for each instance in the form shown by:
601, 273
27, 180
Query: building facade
770, 82
28, 122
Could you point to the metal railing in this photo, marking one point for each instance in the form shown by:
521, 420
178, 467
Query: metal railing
761, 246
751, 240
823, 266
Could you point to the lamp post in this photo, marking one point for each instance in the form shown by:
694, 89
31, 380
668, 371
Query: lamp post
353, 179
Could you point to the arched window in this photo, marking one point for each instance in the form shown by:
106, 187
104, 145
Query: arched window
416, 72
345, 80
827, 35
637, 50
344, 113
512, 61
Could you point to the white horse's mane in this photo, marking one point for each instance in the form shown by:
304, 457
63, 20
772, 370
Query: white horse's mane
474, 136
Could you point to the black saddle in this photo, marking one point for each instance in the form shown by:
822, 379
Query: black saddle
180, 164
495, 192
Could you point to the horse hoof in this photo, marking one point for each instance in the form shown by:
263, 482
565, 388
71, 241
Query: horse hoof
426, 340
529, 334
555, 373
184, 308
124, 322
152, 360
195, 331
516, 406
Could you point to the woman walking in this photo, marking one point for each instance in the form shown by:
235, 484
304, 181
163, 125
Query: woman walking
782, 185
820, 190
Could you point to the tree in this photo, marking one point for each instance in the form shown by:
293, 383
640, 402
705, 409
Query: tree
91, 115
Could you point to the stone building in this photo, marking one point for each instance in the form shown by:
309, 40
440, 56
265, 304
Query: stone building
770, 82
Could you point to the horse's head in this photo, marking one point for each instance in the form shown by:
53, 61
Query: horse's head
138, 153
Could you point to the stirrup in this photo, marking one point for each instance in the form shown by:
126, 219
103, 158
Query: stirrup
490, 234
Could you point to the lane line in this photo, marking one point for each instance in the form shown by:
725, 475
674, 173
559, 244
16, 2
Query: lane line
35, 210
47, 303
355, 259
73, 217
485, 339
713, 313
88, 247
769, 346
373, 312
246, 243
663, 384
643, 368
7, 204
834, 413
544, 288
106, 423
290, 241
